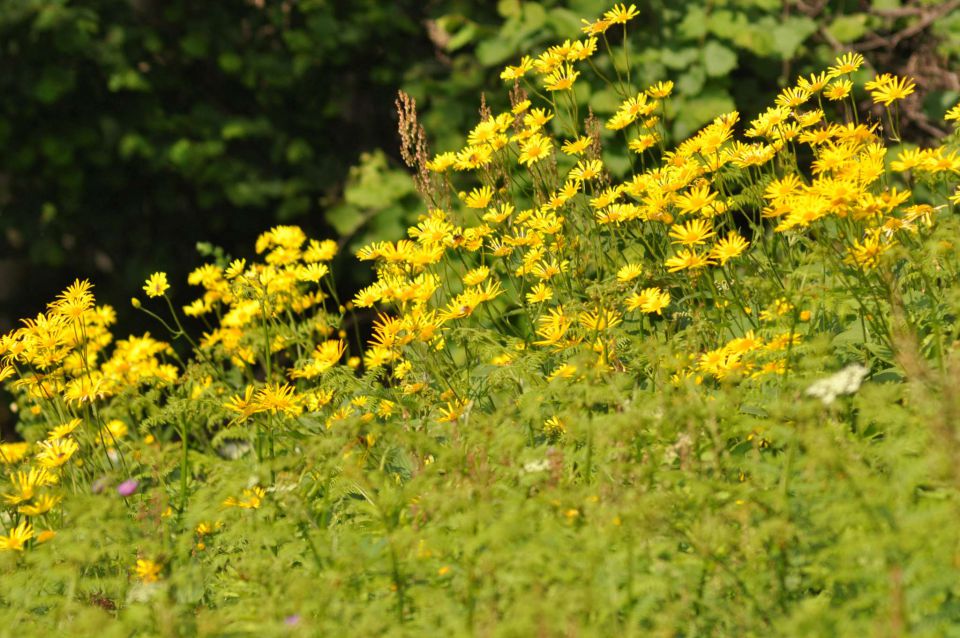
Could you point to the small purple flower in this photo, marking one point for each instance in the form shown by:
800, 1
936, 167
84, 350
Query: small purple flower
128, 487
292, 621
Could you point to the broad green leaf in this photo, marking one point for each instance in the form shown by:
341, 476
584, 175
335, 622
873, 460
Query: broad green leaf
717, 59
848, 28
694, 24
726, 24
565, 22
691, 82
495, 51
791, 33
679, 58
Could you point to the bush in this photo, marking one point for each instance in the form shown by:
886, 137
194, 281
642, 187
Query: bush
613, 385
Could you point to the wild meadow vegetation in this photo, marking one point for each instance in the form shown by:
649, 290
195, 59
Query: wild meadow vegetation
605, 386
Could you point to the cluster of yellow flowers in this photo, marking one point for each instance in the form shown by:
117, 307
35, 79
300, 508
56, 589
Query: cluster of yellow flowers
553, 240
544, 250
55, 360
244, 296
57, 356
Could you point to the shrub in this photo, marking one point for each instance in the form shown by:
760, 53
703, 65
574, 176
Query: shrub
699, 391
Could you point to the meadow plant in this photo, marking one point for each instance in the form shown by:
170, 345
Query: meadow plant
584, 396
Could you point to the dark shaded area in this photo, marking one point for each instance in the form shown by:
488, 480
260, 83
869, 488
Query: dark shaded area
131, 130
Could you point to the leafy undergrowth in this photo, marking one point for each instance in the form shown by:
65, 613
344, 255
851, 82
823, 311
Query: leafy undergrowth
610, 388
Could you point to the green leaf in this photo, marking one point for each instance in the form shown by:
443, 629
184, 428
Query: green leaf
465, 35
566, 23
678, 58
694, 24
726, 24
848, 28
789, 34
53, 82
494, 51
127, 80
230, 62
508, 8
717, 59
691, 82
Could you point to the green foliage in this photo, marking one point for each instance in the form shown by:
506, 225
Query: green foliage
126, 127
673, 442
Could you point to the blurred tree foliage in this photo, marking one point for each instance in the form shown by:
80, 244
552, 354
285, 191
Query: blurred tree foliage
130, 129
722, 54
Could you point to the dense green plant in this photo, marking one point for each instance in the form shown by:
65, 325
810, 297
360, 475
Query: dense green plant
614, 385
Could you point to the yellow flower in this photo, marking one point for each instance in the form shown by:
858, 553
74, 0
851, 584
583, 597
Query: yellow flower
621, 14
453, 411
643, 142
649, 300
479, 197
10, 453
26, 484
156, 285
585, 170
442, 161
561, 79
55, 453
536, 119
147, 570
532, 151
866, 254
814, 83
275, 398
41, 505
792, 97
476, 276
660, 90
687, 259
693, 233
520, 107
516, 72
838, 89
779, 308
554, 427
502, 360
600, 319
540, 293
847, 63
629, 272
251, 499
17, 537
697, 198
729, 247
953, 114
577, 146
595, 28
907, 159
582, 49
61, 431
473, 157
891, 89
553, 327
955, 198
